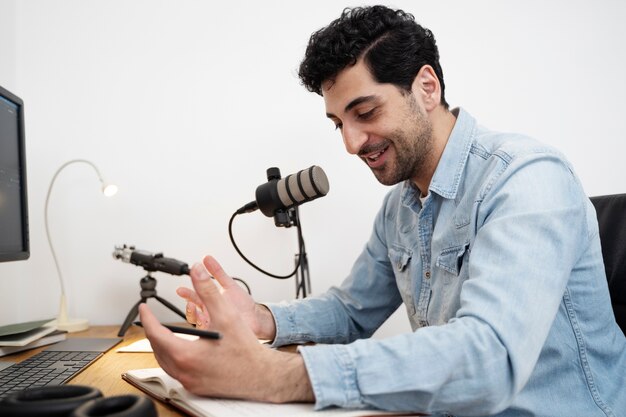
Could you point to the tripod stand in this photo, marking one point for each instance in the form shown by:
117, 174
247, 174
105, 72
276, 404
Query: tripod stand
148, 290
303, 281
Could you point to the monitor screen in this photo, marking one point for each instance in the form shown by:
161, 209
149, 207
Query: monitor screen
14, 242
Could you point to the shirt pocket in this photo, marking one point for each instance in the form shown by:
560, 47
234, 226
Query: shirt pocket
451, 260
400, 258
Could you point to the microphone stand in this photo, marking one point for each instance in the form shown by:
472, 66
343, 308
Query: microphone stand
302, 275
148, 290
301, 262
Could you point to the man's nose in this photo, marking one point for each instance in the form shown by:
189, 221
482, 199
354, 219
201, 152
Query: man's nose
353, 138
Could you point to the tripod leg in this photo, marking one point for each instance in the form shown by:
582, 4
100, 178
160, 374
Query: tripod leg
171, 306
130, 317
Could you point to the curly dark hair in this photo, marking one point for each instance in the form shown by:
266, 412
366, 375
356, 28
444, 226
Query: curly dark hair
393, 46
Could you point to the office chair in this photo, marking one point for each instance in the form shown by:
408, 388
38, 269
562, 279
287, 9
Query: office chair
611, 212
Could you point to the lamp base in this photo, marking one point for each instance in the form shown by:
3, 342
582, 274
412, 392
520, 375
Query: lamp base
72, 325
69, 325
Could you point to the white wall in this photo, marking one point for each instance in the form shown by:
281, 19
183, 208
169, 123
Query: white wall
184, 104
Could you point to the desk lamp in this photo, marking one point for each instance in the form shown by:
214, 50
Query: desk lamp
63, 322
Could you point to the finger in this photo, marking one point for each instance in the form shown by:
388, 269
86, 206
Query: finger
192, 309
197, 316
189, 295
190, 313
162, 340
195, 311
207, 290
152, 326
218, 272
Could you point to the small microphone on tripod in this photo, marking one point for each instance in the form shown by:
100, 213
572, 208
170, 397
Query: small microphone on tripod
150, 261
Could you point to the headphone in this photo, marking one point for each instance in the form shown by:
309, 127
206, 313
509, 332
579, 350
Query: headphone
74, 401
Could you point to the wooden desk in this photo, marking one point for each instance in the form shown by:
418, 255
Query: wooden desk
105, 373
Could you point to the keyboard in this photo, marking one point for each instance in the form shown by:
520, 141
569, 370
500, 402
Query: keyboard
44, 368
53, 366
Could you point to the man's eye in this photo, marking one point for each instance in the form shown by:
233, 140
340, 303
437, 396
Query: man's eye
338, 126
367, 115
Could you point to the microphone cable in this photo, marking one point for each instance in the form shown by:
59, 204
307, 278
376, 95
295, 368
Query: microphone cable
300, 286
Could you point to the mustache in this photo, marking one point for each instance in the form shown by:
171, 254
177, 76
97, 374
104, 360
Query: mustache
377, 147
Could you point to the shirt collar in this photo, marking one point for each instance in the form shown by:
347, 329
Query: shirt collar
447, 177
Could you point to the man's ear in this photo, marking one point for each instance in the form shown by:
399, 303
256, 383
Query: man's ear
426, 85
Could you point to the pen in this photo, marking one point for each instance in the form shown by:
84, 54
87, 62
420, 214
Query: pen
207, 334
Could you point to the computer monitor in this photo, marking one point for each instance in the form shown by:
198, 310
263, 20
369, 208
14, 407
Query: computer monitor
14, 238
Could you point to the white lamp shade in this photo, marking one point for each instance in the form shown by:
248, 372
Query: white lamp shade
109, 190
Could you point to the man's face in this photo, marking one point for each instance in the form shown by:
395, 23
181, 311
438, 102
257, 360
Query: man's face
386, 128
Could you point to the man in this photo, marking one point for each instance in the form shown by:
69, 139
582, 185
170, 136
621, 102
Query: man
488, 239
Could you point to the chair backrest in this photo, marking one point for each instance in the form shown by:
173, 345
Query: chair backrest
611, 212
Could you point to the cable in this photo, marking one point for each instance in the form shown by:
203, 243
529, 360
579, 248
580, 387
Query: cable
244, 284
301, 248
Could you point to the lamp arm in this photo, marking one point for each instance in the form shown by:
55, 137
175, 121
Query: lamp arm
56, 174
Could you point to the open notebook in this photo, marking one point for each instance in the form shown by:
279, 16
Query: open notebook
155, 382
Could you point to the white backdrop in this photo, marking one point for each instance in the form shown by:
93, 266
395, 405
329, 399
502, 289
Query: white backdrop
184, 105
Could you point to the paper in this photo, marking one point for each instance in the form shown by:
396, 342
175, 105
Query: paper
16, 328
55, 336
24, 338
143, 345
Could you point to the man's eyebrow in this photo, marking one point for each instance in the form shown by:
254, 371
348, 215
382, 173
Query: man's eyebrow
358, 101
355, 103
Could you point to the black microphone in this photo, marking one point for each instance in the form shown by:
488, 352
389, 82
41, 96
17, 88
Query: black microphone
282, 194
150, 261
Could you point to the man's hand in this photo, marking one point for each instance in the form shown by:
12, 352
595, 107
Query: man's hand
256, 316
237, 365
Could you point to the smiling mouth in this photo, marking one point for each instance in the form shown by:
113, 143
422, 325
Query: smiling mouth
372, 156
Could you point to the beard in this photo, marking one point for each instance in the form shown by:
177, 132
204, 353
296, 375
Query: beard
413, 146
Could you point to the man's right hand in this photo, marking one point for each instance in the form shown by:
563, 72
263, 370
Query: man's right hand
256, 316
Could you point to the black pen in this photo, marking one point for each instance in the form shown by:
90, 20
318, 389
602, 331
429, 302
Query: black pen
206, 334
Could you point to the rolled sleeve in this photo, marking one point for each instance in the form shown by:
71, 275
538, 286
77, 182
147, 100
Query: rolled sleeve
332, 372
284, 320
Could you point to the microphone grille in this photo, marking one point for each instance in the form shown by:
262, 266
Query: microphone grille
320, 180
305, 185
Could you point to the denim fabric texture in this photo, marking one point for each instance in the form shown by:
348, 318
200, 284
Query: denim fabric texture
501, 274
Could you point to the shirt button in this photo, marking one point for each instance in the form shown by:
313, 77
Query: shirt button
427, 274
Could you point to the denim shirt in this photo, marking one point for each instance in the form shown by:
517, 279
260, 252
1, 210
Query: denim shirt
501, 274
